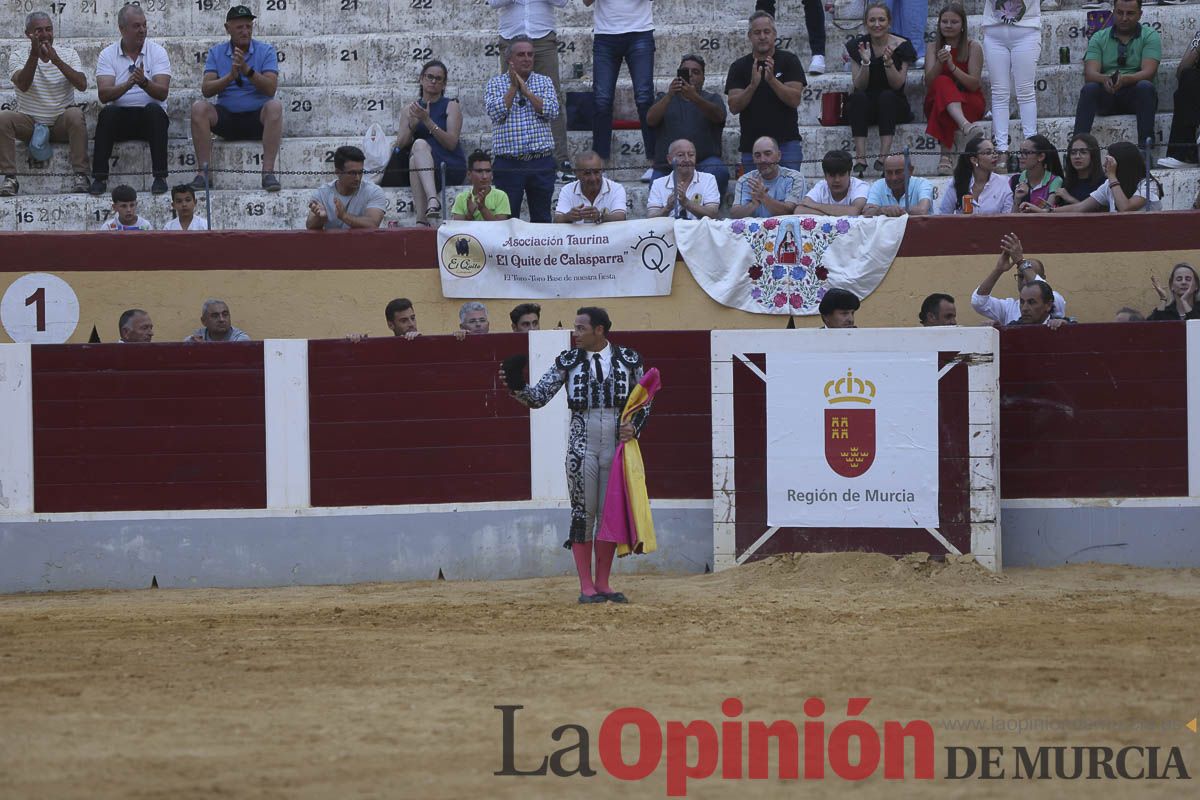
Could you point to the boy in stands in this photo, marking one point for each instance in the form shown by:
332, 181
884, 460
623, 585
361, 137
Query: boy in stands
183, 201
124, 200
840, 194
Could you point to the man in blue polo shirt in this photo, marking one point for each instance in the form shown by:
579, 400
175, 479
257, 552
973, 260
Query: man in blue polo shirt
243, 74
898, 192
1118, 71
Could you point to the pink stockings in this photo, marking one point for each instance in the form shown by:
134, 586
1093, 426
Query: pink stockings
605, 551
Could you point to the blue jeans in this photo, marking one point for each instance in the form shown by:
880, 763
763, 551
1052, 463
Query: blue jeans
1140, 99
637, 49
519, 179
908, 20
790, 155
713, 166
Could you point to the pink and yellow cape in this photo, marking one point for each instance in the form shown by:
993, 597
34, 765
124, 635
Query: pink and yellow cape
626, 517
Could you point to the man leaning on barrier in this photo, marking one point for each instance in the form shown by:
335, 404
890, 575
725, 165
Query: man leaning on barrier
347, 201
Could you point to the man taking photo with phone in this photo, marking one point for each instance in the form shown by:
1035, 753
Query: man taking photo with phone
687, 111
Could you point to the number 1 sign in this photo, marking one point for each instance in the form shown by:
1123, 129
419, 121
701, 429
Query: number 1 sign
39, 308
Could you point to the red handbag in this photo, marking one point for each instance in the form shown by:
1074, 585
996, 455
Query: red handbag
833, 109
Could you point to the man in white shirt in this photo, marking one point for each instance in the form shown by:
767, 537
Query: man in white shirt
593, 197
133, 77
840, 194
347, 201
1007, 311
45, 80
536, 19
685, 193
623, 30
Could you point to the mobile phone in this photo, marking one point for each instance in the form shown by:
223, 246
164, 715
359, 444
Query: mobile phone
1115, 76
683, 75
762, 66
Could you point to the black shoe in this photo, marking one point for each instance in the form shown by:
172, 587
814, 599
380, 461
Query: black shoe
567, 172
588, 599
270, 183
198, 183
615, 597
159, 186
98, 187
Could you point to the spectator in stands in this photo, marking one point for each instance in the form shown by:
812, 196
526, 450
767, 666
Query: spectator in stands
911, 17
1012, 41
1029, 270
840, 194
133, 76
1082, 171
814, 24
975, 174
879, 62
473, 318
1184, 287
426, 143
481, 202
684, 193
769, 190
938, 310
837, 309
347, 201
45, 80
592, 197
521, 104
1041, 175
622, 29
526, 317
1127, 314
1118, 71
135, 326
402, 318
1127, 186
898, 192
243, 74
687, 111
217, 325
954, 84
765, 88
183, 202
125, 212
1181, 144
535, 19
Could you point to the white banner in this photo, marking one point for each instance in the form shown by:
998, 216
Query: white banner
521, 260
783, 265
852, 440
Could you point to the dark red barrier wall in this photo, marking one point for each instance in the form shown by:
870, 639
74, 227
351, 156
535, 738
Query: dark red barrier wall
1094, 411
168, 426
750, 477
677, 442
423, 421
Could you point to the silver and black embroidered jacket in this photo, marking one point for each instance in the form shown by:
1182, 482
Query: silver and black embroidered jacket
573, 369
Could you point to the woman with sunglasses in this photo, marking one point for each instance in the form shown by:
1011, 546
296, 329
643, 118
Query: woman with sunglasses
428, 138
1041, 175
1127, 187
975, 174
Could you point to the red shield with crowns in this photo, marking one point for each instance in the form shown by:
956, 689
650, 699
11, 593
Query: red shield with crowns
850, 440
850, 428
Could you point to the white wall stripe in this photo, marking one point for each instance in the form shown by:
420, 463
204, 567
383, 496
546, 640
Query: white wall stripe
285, 377
548, 425
1193, 406
16, 429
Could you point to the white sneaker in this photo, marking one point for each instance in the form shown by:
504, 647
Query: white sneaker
817, 65
1052, 5
1170, 163
920, 63
648, 175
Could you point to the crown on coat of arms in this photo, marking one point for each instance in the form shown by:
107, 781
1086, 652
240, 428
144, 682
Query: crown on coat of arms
849, 390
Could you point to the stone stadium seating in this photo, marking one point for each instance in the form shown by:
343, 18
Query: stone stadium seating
348, 63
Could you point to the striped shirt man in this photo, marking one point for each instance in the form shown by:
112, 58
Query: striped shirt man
519, 130
50, 93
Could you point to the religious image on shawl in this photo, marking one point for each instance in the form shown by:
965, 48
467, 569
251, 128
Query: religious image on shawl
788, 268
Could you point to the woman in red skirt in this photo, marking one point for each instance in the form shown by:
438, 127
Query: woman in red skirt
953, 97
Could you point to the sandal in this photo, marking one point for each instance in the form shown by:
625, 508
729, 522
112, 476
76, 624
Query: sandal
860, 169
433, 208
946, 166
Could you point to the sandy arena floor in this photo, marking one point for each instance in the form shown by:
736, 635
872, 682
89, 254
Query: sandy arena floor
387, 690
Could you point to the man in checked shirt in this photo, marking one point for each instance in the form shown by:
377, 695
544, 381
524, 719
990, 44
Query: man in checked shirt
521, 104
